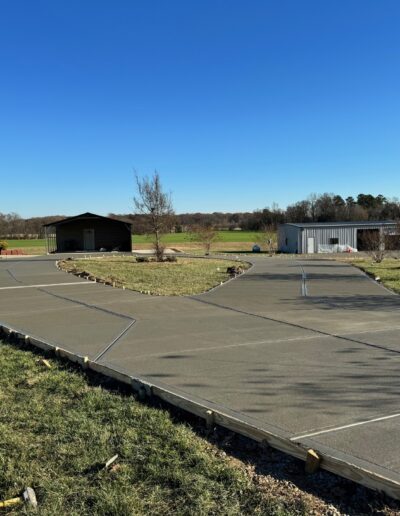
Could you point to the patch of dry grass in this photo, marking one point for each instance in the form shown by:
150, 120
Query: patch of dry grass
388, 271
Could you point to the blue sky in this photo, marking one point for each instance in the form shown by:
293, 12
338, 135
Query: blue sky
236, 104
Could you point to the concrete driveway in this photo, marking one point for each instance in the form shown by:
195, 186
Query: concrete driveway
309, 349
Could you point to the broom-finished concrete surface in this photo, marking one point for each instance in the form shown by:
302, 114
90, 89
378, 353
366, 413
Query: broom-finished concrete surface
310, 349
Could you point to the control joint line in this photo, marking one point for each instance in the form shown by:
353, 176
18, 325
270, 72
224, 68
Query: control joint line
304, 291
48, 285
88, 305
295, 325
105, 350
10, 272
343, 427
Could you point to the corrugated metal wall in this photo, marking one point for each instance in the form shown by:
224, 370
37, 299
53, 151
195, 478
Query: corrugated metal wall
292, 239
347, 235
289, 239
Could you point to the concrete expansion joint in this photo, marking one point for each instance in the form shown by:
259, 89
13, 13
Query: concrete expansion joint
304, 291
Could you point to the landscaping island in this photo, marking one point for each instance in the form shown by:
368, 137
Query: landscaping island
185, 276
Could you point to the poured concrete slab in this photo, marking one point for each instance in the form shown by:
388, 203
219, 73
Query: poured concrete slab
304, 347
376, 439
283, 383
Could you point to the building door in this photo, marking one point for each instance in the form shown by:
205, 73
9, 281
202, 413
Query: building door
310, 245
367, 239
88, 240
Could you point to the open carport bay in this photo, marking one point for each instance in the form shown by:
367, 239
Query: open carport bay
309, 349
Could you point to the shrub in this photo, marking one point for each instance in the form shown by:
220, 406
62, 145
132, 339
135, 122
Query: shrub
171, 258
233, 271
142, 259
3, 245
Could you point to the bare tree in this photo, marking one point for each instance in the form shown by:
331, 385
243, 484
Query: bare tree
270, 238
156, 205
205, 234
374, 244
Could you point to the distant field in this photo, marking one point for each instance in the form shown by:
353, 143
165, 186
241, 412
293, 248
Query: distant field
228, 241
224, 236
17, 244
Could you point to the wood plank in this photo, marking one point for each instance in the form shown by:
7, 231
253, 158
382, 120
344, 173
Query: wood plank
313, 461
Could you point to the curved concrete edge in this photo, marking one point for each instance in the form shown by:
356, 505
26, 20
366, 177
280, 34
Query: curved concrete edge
334, 462
371, 278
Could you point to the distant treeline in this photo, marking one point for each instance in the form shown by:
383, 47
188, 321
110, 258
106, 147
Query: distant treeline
316, 208
12, 225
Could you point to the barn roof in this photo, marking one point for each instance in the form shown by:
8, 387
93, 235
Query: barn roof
85, 216
361, 223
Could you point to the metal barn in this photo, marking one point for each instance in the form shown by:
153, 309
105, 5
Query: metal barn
329, 237
88, 232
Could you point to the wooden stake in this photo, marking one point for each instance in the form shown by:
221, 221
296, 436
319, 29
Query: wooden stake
111, 461
209, 417
313, 461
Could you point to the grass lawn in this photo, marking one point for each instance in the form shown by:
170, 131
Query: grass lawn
174, 238
185, 277
388, 271
223, 236
31, 246
59, 426
228, 241
17, 244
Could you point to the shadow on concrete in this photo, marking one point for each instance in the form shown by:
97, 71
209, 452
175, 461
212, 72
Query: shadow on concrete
367, 302
265, 466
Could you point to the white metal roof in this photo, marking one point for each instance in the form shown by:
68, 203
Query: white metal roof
361, 223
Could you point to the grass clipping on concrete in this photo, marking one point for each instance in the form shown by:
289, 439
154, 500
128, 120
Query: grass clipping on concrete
58, 427
186, 276
388, 271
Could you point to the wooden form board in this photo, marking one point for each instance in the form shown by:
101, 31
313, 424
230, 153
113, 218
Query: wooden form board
209, 413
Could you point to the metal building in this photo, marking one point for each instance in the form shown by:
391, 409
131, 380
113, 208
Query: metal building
88, 232
331, 237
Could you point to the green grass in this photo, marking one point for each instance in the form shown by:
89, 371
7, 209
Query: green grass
59, 426
17, 244
388, 271
171, 238
186, 276
31, 246
223, 236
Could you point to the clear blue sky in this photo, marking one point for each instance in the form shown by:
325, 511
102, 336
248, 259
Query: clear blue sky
236, 104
